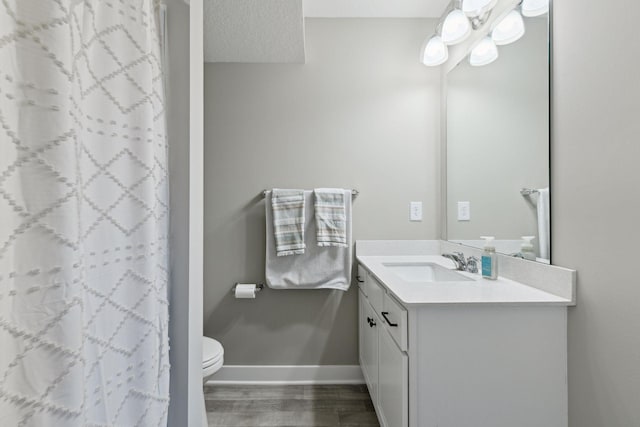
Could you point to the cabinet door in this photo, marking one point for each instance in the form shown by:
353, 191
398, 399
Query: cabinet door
369, 325
393, 383
362, 279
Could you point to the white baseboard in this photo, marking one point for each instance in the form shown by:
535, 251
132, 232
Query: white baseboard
284, 374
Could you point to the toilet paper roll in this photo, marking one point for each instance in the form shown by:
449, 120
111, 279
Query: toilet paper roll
245, 290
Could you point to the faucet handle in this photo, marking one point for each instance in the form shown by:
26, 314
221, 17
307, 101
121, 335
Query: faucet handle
457, 258
472, 264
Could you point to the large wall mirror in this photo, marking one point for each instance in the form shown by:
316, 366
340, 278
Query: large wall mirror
497, 146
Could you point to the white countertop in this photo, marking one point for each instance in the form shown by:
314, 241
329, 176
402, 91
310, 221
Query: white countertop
500, 291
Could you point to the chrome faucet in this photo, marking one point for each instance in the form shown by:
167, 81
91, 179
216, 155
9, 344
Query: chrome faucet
458, 259
469, 265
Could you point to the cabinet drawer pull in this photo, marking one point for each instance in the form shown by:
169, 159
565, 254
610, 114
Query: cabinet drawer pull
384, 314
371, 322
359, 279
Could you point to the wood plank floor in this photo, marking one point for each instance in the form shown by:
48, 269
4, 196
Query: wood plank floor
289, 406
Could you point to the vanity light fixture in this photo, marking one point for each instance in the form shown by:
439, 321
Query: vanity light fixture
532, 8
477, 7
435, 52
484, 53
456, 27
510, 29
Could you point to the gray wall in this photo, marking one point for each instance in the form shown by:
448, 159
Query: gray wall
596, 203
361, 113
498, 138
178, 134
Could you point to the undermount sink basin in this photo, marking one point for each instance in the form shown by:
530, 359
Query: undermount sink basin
425, 272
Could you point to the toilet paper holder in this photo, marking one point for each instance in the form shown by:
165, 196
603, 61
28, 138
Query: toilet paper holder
259, 287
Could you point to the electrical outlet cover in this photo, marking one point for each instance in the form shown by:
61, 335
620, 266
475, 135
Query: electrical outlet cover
415, 211
464, 211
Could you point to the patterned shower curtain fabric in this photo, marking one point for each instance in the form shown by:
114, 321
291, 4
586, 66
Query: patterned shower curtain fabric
83, 215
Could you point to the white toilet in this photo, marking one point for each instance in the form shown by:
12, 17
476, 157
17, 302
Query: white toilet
212, 360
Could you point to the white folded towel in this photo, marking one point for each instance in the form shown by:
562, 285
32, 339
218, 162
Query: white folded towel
544, 232
288, 221
319, 267
330, 206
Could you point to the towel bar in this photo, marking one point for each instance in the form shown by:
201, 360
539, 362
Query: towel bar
354, 193
528, 191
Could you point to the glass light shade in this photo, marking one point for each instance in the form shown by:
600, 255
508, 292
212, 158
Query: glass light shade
435, 52
535, 7
484, 53
510, 29
477, 7
456, 27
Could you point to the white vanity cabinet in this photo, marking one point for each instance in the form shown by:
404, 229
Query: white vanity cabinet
393, 382
384, 363
462, 365
369, 324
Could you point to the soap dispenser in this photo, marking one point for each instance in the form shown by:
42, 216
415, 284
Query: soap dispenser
489, 259
526, 249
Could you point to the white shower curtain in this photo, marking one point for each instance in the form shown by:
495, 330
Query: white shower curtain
83, 215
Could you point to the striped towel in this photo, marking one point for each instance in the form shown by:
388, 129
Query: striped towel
330, 217
288, 221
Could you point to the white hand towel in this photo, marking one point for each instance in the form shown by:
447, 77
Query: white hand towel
544, 232
330, 206
288, 221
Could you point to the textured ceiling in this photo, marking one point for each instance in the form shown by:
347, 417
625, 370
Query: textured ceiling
253, 31
374, 8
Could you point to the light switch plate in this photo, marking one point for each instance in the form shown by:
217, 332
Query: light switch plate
415, 211
464, 211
